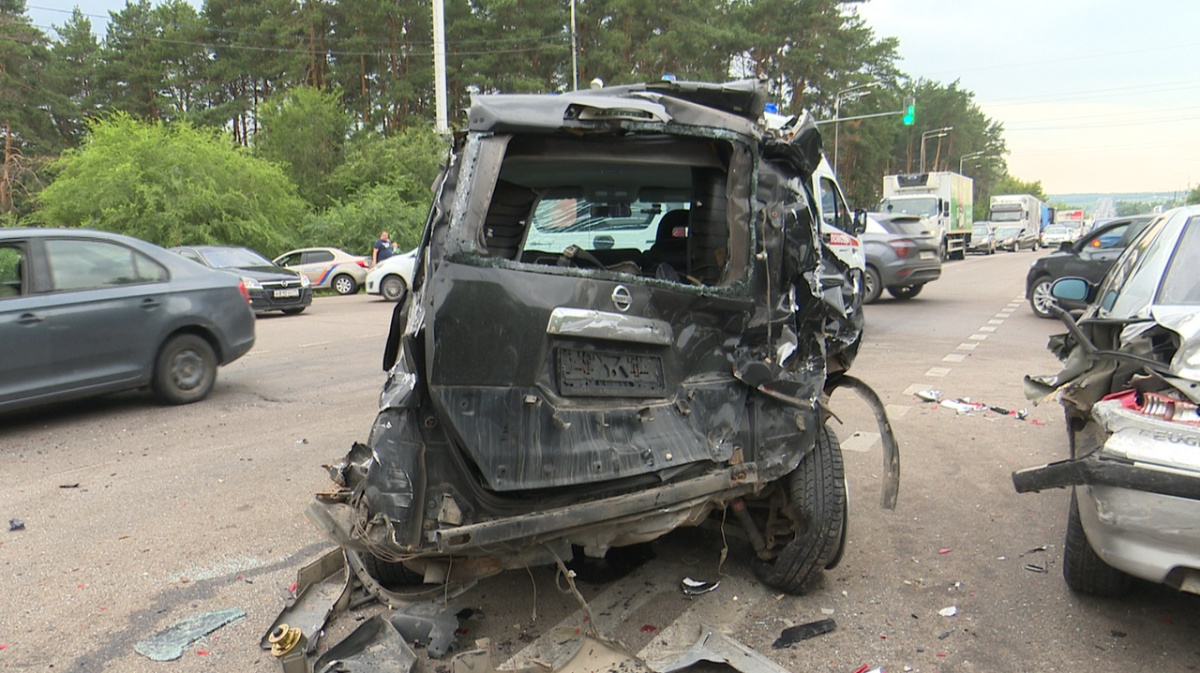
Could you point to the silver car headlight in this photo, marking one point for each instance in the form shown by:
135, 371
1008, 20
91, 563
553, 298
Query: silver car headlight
304, 281
251, 283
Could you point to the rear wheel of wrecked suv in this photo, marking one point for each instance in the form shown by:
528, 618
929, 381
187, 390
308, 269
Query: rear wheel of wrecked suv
1083, 569
817, 503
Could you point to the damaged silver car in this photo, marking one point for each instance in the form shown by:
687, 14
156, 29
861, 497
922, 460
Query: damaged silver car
623, 321
1130, 387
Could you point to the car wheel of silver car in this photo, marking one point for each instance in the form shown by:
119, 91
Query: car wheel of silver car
343, 284
185, 370
1084, 571
393, 288
872, 286
905, 291
817, 503
1040, 299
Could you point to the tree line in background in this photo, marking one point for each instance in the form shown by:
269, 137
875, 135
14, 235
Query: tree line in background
274, 123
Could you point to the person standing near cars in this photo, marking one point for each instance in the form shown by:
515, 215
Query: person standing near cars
382, 249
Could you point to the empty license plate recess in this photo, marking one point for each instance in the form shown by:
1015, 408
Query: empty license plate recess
604, 374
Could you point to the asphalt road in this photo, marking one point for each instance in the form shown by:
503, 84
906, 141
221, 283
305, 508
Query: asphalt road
139, 515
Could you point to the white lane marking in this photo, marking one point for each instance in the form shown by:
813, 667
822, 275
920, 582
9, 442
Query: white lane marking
995, 322
916, 388
315, 343
988, 328
896, 411
938, 372
966, 347
954, 357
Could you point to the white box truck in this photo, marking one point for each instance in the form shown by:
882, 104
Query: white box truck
1012, 209
943, 200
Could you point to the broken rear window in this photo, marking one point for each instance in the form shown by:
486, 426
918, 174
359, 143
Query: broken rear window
653, 206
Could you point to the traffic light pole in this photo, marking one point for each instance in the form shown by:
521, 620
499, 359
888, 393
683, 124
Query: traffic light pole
850, 119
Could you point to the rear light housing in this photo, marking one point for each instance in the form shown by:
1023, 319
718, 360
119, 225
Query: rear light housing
244, 291
903, 247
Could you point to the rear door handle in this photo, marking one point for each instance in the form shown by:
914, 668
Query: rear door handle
149, 303
30, 318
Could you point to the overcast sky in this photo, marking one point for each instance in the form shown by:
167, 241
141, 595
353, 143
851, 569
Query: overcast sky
1094, 95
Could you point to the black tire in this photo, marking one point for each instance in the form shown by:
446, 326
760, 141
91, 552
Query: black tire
872, 286
388, 573
185, 370
393, 288
905, 291
294, 311
1040, 299
1084, 571
942, 251
817, 498
344, 284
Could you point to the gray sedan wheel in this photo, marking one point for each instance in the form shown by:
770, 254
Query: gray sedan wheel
393, 288
344, 284
185, 370
1040, 299
872, 286
905, 291
1084, 571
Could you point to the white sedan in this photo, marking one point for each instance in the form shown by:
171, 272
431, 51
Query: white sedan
392, 277
327, 268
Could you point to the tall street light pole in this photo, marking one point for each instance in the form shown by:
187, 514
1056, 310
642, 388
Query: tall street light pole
574, 52
972, 155
858, 91
439, 67
935, 133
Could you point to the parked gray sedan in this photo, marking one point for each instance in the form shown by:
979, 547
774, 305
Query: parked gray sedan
902, 256
86, 312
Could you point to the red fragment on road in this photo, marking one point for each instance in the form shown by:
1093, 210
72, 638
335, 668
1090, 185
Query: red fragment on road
945, 551
942, 655
649, 628
202, 652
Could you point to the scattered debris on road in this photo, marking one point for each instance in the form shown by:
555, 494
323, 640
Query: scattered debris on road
693, 587
15, 524
948, 612
794, 634
169, 644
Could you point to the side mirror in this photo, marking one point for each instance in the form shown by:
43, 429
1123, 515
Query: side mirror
1071, 289
860, 222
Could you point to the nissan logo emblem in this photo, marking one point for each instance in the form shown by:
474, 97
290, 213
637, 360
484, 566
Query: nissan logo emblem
621, 298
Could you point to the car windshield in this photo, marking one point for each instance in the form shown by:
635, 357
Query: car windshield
1055, 231
1006, 216
1008, 231
1181, 286
909, 206
227, 258
907, 226
980, 230
563, 221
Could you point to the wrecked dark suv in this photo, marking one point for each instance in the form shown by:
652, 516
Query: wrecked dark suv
623, 321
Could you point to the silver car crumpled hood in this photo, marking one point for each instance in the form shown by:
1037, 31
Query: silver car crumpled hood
1184, 321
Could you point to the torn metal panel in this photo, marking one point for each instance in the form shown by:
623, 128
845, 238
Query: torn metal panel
713, 646
169, 644
429, 624
321, 587
374, 646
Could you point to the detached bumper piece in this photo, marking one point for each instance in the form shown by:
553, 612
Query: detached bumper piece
1092, 470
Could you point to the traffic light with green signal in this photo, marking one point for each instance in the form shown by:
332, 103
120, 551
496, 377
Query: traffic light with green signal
910, 110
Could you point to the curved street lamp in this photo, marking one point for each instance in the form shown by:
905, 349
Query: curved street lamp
935, 133
858, 91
